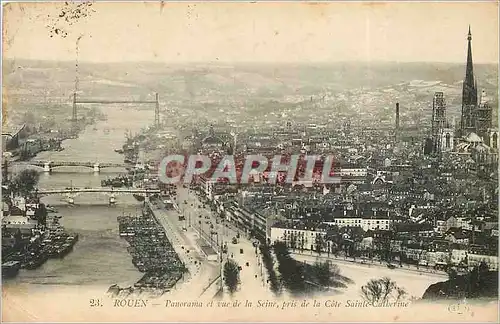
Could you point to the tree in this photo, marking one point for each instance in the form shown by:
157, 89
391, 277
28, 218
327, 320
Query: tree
452, 273
378, 291
302, 243
322, 273
231, 276
477, 283
293, 241
291, 272
327, 275
420, 256
41, 214
24, 182
281, 250
475, 280
387, 246
483, 267
320, 243
17, 238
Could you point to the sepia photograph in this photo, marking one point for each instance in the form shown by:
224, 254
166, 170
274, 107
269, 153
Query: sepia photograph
250, 161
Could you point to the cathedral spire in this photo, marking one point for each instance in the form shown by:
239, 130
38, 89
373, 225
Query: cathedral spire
469, 70
469, 91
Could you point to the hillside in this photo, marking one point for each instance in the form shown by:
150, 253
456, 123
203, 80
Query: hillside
270, 80
246, 92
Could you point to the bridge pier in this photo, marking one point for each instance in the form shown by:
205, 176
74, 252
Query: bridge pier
71, 200
112, 200
97, 168
47, 167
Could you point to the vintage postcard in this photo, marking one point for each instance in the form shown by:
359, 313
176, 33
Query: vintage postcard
250, 161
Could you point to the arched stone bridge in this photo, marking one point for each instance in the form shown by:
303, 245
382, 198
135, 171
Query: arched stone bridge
112, 192
49, 165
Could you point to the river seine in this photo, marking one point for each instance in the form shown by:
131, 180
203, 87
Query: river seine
100, 257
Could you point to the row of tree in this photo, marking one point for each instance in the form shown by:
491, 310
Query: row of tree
268, 261
347, 241
301, 279
292, 275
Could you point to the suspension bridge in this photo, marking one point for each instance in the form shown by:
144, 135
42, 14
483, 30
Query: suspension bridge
77, 101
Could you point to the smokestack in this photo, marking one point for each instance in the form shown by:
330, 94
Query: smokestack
397, 115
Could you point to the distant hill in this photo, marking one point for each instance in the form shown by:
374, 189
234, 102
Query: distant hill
210, 91
246, 80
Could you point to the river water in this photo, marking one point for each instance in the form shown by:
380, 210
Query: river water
100, 256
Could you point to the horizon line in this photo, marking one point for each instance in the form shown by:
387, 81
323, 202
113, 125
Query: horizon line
247, 62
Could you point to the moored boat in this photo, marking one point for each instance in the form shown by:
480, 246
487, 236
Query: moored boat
37, 260
50, 209
117, 184
54, 251
139, 197
64, 250
10, 269
72, 239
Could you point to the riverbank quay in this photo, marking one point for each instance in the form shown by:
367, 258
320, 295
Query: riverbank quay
203, 273
30, 139
152, 253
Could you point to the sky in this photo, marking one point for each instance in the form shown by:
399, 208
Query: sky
256, 32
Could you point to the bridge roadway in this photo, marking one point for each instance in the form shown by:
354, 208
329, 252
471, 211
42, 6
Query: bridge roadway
49, 165
104, 101
99, 189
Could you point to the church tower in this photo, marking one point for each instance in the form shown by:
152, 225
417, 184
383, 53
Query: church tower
442, 133
438, 120
484, 118
493, 139
469, 94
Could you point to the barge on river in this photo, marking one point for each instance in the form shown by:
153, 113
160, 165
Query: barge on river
10, 269
151, 252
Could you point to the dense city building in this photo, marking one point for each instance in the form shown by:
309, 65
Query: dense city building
263, 177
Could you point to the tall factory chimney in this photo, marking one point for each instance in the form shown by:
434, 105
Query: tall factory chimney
397, 116
157, 110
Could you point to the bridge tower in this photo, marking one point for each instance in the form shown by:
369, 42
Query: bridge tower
5, 169
157, 110
112, 199
47, 167
71, 199
74, 116
101, 101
